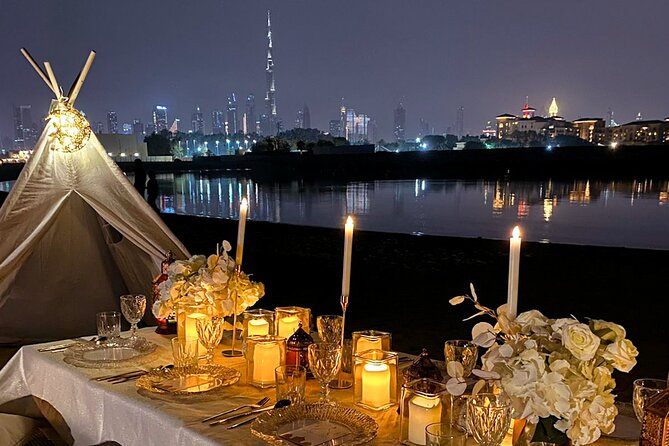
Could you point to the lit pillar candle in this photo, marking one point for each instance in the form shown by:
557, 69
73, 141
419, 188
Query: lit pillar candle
190, 330
288, 325
422, 411
258, 327
365, 344
348, 243
243, 210
266, 358
514, 264
375, 385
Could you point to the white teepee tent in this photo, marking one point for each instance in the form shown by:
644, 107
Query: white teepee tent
74, 234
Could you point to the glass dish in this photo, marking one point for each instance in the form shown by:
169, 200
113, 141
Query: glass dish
315, 424
121, 353
203, 379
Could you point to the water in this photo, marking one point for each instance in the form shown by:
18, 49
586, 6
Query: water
621, 213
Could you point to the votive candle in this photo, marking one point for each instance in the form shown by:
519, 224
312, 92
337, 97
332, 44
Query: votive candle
367, 343
423, 410
258, 327
288, 325
375, 385
266, 358
190, 329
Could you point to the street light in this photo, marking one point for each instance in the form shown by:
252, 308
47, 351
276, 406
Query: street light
205, 147
217, 141
227, 141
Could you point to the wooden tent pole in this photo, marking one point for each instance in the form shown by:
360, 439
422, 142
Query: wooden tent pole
37, 68
74, 91
52, 78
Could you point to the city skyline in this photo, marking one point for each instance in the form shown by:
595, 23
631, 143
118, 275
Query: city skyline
433, 69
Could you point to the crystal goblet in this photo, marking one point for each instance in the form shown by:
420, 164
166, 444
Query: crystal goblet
329, 328
133, 307
488, 418
324, 362
644, 390
464, 352
210, 332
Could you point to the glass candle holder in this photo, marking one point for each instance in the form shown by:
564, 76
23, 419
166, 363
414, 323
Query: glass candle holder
371, 340
287, 320
424, 401
187, 317
263, 355
375, 379
258, 322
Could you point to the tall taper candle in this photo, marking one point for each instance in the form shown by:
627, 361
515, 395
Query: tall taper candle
514, 264
243, 210
348, 242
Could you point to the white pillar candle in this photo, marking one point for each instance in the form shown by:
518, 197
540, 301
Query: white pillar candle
365, 344
422, 411
375, 385
257, 327
348, 242
288, 325
266, 358
514, 265
243, 210
190, 330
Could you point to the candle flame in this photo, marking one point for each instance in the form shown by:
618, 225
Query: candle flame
349, 221
516, 232
244, 202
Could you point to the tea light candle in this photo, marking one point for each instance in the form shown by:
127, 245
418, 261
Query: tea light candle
266, 358
375, 385
288, 325
422, 411
258, 327
190, 330
368, 343
514, 265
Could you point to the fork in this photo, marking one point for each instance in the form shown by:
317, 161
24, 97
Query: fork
257, 405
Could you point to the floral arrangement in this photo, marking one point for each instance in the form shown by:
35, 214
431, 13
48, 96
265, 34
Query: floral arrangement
211, 280
557, 372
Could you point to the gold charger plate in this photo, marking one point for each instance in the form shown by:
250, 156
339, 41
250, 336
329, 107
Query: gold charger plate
315, 424
203, 379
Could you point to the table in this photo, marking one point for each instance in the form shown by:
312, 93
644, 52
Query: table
100, 411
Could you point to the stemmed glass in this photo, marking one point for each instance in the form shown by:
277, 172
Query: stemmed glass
133, 307
644, 390
464, 352
210, 332
329, 328
488, 418
324, 362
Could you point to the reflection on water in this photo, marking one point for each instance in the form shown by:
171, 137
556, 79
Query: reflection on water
615, 213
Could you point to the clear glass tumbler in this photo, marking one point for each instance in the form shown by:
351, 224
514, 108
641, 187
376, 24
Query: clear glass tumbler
291, 381
109, 325
445, 434
185, 352
644, 390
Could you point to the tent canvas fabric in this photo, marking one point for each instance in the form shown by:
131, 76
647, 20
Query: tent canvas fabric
74, 236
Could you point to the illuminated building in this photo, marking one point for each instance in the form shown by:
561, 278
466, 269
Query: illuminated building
641, 132
553, 110
98, 127
112, 122
306, 117
460, 122
527, 111
270, 96
250, 120
400, 122
24, 133
217, 122
159, 118
590, 129
423, 128
197, 121
506, 125
232, 123
335, 127
489, 131
299, 121
137, 127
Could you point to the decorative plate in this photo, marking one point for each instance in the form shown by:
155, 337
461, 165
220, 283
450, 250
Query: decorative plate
203, 379
315, 424
122, 353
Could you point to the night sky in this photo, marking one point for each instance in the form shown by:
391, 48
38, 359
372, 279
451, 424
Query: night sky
433, 55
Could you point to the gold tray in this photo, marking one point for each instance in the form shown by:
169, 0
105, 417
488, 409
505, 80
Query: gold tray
203, 379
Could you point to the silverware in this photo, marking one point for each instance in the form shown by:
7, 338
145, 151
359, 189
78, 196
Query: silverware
116, 376
279, 404
232, 426
257, 405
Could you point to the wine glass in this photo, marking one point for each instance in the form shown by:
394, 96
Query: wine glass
210, 332
324, 362
644, 390
464, 352
329, 328
488, 418
133, 307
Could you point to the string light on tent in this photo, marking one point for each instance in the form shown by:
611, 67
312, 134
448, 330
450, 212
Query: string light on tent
69, 129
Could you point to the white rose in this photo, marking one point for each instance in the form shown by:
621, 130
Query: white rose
622, 354
161, 310
580, 341
608, 331
532, 322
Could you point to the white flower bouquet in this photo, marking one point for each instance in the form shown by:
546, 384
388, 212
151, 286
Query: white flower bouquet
207, 280
557, 372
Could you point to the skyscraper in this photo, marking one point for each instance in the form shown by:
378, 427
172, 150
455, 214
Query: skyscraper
460, 122
137, 128
306, 117
423, 128
270, 96
217, 121
400, 122
197, 121
250, 119
335, 127
299, 121
159, 118
232, 123
24, 133
98, 127
112, 122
